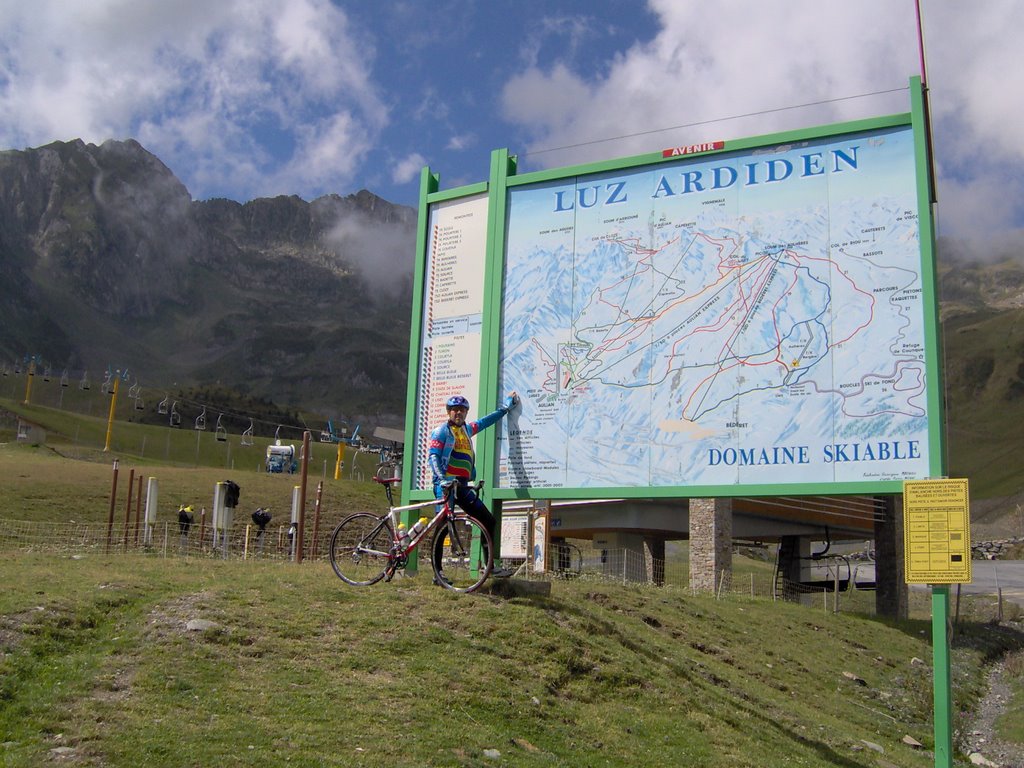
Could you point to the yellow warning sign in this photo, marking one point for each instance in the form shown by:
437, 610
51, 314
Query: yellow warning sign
937, 531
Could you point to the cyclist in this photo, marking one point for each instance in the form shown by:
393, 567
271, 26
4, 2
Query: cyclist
453, 462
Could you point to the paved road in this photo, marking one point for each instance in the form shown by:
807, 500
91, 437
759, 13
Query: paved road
990, 575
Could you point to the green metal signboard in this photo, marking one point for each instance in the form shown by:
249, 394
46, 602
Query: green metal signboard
752, 317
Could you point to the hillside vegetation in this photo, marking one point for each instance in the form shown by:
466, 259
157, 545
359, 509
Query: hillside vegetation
287, 666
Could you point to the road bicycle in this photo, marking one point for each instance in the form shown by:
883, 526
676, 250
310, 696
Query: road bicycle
366, 548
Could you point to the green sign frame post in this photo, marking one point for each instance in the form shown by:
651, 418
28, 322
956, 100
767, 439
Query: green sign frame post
942, 683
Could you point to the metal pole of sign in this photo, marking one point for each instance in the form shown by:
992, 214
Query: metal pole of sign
943, 691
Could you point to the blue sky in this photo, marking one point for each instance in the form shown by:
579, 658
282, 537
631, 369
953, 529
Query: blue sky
250, 98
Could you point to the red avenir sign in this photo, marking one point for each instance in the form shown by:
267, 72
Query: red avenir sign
693, 149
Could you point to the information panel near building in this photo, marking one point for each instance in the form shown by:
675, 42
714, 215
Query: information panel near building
747, 317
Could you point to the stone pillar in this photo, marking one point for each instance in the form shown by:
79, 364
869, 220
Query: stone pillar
654, 555
890, 580
710, 544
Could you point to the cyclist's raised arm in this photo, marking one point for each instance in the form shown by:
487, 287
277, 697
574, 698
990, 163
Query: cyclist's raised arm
510, 402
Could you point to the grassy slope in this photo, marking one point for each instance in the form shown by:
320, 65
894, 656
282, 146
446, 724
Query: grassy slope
302, 670
186, 464
985, 401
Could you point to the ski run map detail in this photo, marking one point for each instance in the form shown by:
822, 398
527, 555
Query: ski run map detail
745, 318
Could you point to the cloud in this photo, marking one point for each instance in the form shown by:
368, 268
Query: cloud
461, 142
242, 95
705, 66
973, 55
733, 71
408, 168
567, 33
382, 253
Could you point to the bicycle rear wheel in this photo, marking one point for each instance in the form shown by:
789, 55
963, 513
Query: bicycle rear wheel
360, 549
465, 554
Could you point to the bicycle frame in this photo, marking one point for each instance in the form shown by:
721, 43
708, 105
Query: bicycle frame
447, 510
461, 544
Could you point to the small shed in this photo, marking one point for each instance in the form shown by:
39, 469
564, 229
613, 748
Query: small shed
30, 433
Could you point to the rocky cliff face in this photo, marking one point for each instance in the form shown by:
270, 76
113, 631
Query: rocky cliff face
106, 260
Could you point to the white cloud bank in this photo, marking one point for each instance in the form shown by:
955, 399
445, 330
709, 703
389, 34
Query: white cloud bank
218, 87
736, 58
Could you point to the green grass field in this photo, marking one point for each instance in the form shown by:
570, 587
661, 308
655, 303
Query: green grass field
99, 667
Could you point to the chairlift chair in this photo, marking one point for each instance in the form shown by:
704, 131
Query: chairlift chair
247, 435
134, 390
219, 431
46, 373
64, 378
108, 384
84, 383
140, 405
3, 370
17, 368
201, 420
161, 407
175, 419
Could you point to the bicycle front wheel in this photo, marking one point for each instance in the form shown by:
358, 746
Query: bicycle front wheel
466, 549
360, 549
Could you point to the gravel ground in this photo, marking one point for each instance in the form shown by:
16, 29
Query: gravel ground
981, 740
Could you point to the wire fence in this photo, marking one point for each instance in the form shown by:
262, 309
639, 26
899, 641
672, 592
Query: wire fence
277, 543
166, 539
629, 567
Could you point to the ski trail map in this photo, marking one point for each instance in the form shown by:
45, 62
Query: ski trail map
746, 318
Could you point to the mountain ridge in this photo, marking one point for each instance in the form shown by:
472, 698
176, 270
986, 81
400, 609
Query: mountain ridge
107, 261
